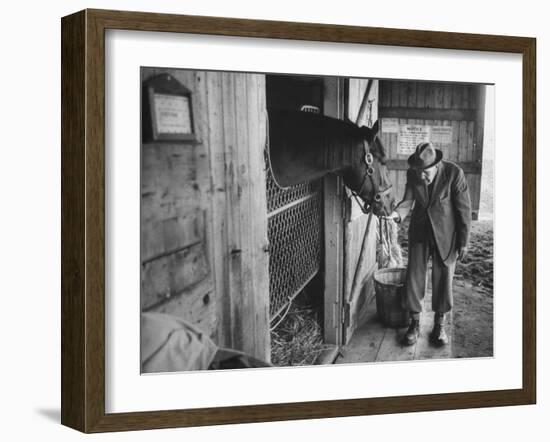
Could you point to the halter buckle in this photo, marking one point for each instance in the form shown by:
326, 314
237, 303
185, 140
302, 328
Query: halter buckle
369, 159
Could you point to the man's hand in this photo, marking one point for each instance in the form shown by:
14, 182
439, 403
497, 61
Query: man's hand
394, 216
462, 252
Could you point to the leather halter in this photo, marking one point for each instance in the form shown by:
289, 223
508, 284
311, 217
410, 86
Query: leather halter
377, 194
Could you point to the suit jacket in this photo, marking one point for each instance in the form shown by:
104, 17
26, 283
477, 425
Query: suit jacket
448, 212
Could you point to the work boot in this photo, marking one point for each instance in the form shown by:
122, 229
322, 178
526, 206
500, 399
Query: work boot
438, 337
411, 335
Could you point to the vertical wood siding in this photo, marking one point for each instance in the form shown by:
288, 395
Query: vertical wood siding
204, 215
333, 226
176, 273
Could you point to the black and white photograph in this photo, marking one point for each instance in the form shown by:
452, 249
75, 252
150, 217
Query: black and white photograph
296, 220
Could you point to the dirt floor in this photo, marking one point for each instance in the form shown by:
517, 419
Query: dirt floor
473, 297
473, 309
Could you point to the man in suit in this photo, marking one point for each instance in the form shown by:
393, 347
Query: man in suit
437, 193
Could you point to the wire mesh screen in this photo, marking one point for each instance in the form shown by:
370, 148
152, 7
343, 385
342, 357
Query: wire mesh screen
295, 234
278, 198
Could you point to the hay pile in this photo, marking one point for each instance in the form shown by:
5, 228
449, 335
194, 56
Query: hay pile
478, 265
298, 339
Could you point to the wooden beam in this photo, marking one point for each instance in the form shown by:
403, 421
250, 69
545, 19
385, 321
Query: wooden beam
364, 102
467, 167
427, 113
334, 228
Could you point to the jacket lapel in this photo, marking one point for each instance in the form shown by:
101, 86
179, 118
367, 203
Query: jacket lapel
439, 182
422, 192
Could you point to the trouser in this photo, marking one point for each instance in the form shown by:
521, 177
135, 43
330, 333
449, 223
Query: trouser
442, 279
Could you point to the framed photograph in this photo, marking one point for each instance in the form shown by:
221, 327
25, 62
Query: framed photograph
267, 221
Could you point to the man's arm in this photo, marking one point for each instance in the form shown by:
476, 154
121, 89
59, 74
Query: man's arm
404, 207
463, 212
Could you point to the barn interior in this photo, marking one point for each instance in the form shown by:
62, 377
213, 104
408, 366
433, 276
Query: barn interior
248, 263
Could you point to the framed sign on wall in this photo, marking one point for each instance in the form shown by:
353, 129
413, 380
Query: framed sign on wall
168, 111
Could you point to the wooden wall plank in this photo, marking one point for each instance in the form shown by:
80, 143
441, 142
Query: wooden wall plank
250, 263
243, 301
384, 93
447, 95
403, 93
169, 198
411, 94
374, 95
456, 99
242, 225
471, 134
430, 96
215, 139
465, 97
259, 259
463, 141
424, 113
420, 94
233, 251
171, 275
334, 205
480, 123
439, 96
394, 93
455, 142
474, 184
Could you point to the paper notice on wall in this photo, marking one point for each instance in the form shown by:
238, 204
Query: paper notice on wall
173, 114
390, 125
441, 137
410, 136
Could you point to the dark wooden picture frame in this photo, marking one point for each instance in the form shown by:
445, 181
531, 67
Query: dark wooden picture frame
83, 220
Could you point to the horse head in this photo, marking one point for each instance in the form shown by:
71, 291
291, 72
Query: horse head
305, 146
368, 176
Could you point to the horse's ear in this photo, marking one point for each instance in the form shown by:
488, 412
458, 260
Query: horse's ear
368, 133
348, 120
375, 128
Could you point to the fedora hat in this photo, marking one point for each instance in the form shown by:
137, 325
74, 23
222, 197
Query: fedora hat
425, 156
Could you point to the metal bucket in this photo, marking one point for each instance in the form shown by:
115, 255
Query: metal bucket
389, 286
